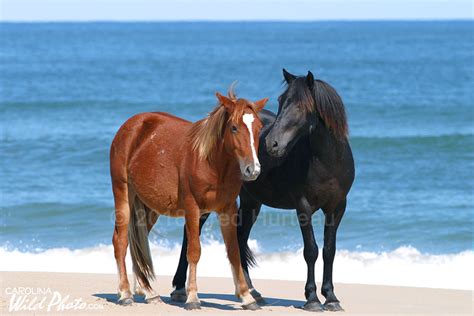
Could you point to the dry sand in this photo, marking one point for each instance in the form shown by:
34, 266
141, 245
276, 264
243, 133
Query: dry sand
97, 292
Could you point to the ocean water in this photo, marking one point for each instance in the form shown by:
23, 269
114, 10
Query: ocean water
407, 86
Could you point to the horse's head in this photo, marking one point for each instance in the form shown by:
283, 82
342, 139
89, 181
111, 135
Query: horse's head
241, 133
295, 117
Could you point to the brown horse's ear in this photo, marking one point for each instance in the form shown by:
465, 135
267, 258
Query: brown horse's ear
259, 105
226, 102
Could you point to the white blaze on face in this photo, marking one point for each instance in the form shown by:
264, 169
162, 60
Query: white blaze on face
248, 120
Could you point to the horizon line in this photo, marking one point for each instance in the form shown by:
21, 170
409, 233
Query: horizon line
241, 20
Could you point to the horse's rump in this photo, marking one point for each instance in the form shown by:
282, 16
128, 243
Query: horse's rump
150, 147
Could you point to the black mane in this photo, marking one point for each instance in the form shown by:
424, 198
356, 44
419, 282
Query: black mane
326, 101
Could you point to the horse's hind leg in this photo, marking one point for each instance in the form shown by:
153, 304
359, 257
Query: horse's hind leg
179, 280
248, 213
310, 252
330, 229
120, 239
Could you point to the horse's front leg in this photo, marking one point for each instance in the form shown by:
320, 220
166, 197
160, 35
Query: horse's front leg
310, 252
193, 254
228, 222
179, 280
331, 224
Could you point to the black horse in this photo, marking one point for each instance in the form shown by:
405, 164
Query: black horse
307, 165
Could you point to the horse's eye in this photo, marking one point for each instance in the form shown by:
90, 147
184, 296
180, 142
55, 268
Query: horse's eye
233, 129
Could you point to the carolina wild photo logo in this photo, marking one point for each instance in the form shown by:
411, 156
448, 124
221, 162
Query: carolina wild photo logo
44, 299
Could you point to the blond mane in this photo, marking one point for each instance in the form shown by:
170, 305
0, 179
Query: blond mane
205, 133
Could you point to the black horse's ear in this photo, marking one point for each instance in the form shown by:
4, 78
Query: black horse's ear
288, 77
310, 80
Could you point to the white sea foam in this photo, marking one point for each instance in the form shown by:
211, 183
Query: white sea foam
405, 266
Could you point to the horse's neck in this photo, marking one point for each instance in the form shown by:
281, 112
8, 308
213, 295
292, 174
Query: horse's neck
223, 164
324, 144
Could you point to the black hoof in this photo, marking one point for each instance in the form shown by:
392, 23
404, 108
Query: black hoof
178, 296
313, 307
251, 307
125, 301
192, 306
333, 307
258, 297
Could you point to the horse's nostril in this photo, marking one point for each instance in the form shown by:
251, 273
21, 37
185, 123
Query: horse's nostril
275, 144
248, 171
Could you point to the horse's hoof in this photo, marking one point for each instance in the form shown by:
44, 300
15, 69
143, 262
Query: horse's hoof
258, 297
192, 306
179, 296
139, 291
153, 300
251, 306
313, 307
260, 300
125, 301
333, 307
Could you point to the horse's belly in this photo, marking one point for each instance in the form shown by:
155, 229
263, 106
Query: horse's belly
159, 193
272, 193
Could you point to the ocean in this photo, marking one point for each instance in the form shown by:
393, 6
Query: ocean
408, 89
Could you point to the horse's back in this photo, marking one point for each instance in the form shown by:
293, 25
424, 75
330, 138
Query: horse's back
142, 128
267, 117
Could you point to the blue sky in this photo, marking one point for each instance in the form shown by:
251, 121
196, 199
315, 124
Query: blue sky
166, 10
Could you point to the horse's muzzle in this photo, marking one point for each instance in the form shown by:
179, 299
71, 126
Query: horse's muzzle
274, 149
251, 172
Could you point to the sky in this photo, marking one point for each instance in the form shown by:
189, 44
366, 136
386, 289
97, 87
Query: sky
228, 10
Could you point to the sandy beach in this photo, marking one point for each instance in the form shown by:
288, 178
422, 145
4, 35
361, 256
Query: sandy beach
95, 294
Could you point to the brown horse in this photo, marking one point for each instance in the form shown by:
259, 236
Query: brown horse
162, 164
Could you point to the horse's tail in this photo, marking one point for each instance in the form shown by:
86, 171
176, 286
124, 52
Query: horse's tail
139, 246
247, 255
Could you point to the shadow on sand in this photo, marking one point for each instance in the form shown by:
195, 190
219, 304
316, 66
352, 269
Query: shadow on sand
232, 305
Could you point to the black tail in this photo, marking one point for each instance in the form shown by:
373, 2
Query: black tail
244, 225
139, 246
246, 255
